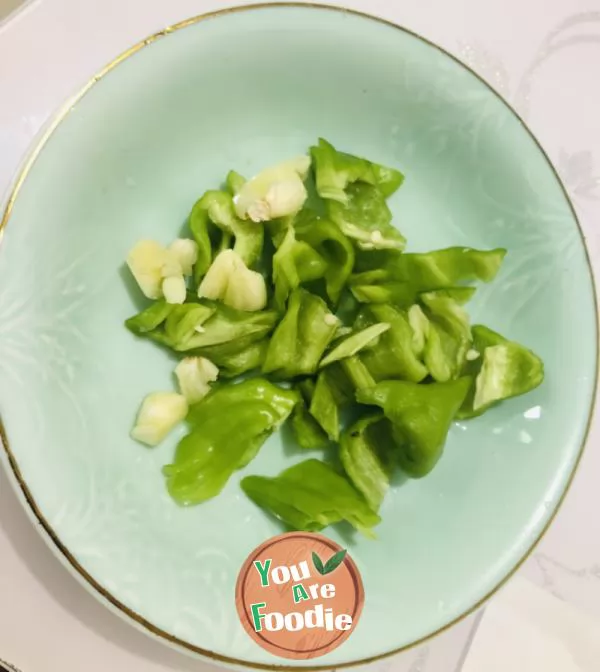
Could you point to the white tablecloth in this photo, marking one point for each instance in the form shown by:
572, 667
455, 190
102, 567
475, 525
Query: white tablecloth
542, 55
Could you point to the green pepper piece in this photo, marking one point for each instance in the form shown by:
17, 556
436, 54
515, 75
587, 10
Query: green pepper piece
333, 246
394, 356
388, 276
367, 455
207, 457
447, 267
228, 324
310, 496
377, 286
307, 431
420, 416
439, 269
366, 219
277, 228
461, 295
258, 389
324, 406
150, 318
182, 322
306, 388
294, 262
335, 171
236, 357
421, 327
230, 426
215, 209
483, 337
355, 342
149, 323
301, 337
357, 373
234, 182
339, 383
248, 235
500, 369
388, 180
203, 228
448, 336
224, 243
326, 396
373, 287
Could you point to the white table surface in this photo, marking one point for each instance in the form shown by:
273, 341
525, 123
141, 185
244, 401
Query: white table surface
542, 55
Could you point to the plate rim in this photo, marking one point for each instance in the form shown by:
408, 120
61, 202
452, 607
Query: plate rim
10, 462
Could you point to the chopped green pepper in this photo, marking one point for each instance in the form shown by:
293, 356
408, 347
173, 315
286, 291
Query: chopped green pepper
355, 342
367, 454
439, 269
375, 287
169, 324
500, 369
333, 246
183, 323
324, 406
365, 218
335, 171
229, 427
325, 396
448, 336
307, 431
461, 295
394, 356
310, 496
420, 417
357, 373
150, 318
228, 324
301, 337
237, 357
234, 182
258, 389
421, 327
295, 262
388, 180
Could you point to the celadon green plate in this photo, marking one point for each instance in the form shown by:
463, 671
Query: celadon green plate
126, 160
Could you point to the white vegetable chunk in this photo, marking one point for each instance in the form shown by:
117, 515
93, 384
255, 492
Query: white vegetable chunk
146, 261
158, 415
194, 375
229, 280
277, 191
174, 289
185, 251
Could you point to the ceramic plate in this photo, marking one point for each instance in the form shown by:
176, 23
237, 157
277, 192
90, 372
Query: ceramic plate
127, 160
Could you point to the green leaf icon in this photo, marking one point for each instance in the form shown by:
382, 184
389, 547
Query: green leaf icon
332, 564
317, 563
334, 561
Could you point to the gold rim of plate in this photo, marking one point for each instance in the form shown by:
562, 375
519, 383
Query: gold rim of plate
59, 547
